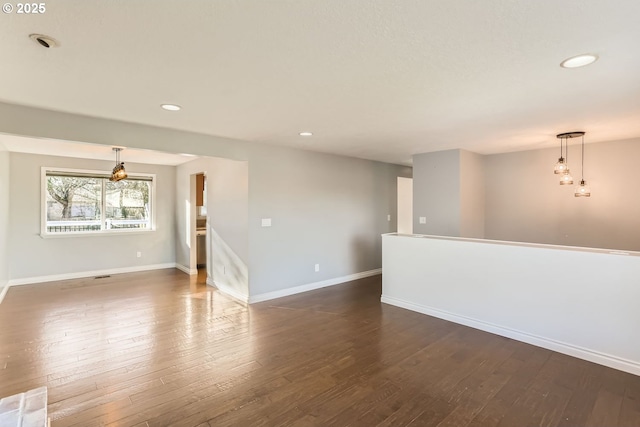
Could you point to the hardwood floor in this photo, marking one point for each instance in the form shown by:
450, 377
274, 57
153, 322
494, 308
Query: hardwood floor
158, 348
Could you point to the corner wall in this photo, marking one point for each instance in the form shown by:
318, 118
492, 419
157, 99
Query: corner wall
448, 191
33, 258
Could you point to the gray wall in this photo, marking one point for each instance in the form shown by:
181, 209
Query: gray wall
326, 209
33, 256
524, 201
436, 193
4, 216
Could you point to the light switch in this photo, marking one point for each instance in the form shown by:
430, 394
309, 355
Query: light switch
423, 220
388, 217
266, 222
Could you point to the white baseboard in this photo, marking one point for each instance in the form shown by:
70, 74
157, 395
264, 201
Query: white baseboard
548, 343
83, 274
228, 290
311, 286
3, 292
189, 271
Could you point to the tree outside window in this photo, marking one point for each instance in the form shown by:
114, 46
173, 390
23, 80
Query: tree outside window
91, 203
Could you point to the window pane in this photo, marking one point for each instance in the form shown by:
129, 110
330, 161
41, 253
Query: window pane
73, 204
128, 204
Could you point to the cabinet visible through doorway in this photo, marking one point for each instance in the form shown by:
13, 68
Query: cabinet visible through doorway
200, 190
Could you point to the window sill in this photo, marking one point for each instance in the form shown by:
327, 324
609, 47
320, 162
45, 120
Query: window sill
94, 234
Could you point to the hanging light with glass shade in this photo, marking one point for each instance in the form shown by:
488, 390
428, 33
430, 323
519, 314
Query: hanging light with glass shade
566, 178
118, 173
582, 190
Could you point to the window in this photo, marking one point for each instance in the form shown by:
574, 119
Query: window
86, 202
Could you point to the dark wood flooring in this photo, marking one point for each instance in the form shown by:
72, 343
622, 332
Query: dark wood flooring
158, 348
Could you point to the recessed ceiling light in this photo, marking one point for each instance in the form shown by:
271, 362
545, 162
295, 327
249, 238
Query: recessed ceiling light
171, 107
579, 61
44, 41
306, 133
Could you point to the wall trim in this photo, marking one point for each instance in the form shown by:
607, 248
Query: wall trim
539, 341
311, 286
3, 292
83, 274
228, 290
189, 271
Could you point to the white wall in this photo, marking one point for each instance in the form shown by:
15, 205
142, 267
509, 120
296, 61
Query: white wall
33, 257
405, 205
524, 201
472, 195
582, 303
4, 217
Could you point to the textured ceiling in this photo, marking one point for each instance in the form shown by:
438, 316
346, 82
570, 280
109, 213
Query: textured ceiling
376, 79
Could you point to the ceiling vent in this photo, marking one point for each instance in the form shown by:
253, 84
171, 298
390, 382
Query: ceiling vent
44, 41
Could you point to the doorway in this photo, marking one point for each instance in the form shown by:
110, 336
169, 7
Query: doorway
198, 233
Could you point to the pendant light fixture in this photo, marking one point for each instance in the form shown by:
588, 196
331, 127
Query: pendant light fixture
118, 172
566, 178
582, 190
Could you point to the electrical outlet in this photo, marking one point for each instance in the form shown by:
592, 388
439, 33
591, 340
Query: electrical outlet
388, 217
317, 267
139, 254
423, 220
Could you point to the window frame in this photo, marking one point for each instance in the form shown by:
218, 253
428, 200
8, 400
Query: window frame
150, 177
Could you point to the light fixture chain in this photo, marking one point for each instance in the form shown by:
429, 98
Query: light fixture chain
582, 171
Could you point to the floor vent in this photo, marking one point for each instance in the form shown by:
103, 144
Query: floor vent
102, 277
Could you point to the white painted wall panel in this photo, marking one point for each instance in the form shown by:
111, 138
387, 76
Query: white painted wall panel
579, 302
471, 195
405, 205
